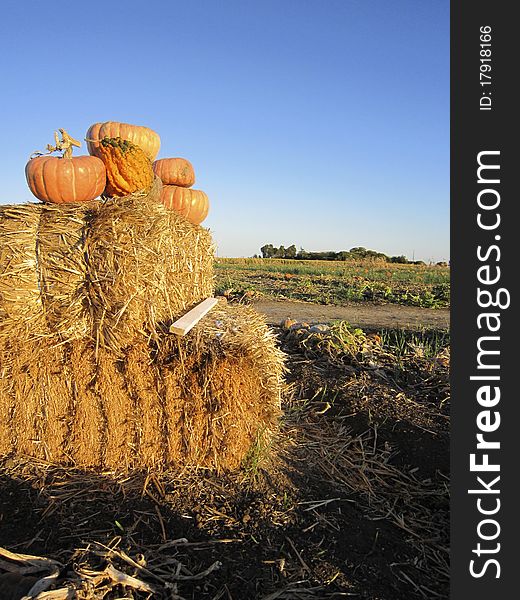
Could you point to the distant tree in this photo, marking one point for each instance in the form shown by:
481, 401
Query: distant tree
399, 259
374, 254
291, 252
359, 252
267, 251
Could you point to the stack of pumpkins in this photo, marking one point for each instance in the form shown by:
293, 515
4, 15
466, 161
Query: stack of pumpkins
121, 162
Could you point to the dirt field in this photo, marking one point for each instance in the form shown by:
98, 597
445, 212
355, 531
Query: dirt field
364, 315
350, 502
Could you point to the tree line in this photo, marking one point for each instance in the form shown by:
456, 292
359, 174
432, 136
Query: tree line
270, 251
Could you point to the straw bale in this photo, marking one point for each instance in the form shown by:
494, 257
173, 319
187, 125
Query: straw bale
203, 400
146, 265
224, 385
62, 267
20, 306
107, 270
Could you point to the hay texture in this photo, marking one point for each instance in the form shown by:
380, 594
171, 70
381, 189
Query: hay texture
109, 270
205, 400
20, 302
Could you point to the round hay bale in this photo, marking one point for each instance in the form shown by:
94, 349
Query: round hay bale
205, 400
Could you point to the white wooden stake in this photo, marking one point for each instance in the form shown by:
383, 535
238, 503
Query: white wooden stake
191, 318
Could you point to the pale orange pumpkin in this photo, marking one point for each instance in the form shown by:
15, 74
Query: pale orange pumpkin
175, 171
147, 139
190, 203
67, 178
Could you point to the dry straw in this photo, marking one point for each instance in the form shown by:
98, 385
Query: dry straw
146, 265
20, 302
89, 376
204, 400
61, 264
109, 270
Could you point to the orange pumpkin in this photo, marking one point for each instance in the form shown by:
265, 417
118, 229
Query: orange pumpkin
60, 179
145, 138
128, 168
175, 171
192, 204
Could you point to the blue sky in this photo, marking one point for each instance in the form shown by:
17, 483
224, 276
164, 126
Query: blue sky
323, 123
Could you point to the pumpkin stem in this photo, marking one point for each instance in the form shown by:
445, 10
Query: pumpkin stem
64, 145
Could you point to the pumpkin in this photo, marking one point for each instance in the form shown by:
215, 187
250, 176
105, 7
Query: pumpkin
190, 203
175, 171
145, 138
66, 178
128, 168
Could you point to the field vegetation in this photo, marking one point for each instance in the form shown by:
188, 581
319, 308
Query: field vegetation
335, 282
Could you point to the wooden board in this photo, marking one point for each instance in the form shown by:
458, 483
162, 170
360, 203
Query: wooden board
191, 318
